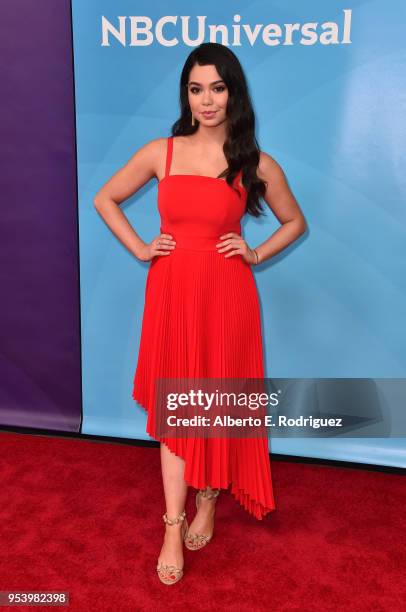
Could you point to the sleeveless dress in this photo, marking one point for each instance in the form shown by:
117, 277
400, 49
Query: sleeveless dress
202, 319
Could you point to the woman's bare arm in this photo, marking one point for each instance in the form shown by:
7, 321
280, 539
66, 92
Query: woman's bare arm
140, 168
283, 204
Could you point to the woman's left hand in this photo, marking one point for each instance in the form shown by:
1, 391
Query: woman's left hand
234, 244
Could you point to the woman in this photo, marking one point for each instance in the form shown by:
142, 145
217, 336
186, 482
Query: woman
201, 313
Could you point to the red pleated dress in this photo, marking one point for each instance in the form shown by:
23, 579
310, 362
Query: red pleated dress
202, 319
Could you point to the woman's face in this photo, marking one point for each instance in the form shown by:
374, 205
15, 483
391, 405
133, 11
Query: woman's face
207, 93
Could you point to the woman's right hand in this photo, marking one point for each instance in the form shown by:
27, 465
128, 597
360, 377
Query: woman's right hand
162, 244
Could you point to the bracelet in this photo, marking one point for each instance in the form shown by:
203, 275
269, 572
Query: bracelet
256, 254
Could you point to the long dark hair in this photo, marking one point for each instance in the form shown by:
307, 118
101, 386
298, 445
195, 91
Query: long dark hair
240, 147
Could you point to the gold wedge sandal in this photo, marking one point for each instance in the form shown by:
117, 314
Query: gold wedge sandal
196, 541
170, 574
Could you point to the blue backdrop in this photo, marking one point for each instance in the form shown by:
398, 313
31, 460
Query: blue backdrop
329, 98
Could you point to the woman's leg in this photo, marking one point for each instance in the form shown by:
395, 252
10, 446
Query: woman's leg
175, 489
203, 521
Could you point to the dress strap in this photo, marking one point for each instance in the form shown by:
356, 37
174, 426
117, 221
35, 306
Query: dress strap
237, 178
169, 149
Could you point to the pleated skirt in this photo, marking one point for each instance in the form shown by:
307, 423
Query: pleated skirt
202, 319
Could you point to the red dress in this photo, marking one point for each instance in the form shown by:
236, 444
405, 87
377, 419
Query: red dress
202, 319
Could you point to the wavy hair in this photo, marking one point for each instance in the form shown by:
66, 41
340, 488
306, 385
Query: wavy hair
240, 148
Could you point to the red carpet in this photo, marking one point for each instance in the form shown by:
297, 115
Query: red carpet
85, 517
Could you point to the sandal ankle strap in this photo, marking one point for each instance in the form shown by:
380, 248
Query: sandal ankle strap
178, 519
209, 494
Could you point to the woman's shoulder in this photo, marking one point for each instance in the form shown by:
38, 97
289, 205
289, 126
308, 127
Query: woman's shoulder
266, 160
268, 168
154, 150
156, 144
159, 145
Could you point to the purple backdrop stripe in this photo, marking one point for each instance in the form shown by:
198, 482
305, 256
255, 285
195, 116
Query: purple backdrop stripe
40, 360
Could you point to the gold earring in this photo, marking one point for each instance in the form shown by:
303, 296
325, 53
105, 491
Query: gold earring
193, 119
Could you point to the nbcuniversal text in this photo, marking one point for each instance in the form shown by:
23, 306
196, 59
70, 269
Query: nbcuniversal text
171, 30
